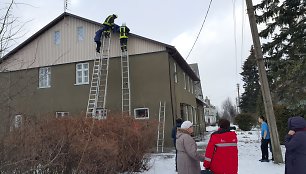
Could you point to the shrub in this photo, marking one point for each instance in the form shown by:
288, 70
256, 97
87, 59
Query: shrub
78, 145
245, 121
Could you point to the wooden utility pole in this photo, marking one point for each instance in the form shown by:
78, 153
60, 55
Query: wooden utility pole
238, 99
277, 153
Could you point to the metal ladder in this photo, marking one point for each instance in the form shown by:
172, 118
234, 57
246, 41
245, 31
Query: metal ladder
125, 74
98, 86
161, 127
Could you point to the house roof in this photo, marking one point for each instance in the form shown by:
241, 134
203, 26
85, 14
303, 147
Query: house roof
171, 49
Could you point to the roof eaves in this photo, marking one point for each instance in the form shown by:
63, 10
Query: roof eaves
182, 62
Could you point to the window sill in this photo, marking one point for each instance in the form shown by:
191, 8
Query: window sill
142, 118
79, 84
44, 87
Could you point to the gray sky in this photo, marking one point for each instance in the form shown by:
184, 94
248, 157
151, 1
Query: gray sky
174, 22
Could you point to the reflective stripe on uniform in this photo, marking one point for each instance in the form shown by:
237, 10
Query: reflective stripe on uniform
226, 144
123, 33
107, 21
207, 159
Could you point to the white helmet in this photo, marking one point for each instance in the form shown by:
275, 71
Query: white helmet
115, 15
123, 24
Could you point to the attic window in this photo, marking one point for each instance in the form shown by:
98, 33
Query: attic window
57, 37
80, 33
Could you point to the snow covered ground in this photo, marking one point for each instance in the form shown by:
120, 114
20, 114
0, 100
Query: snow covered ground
249, 154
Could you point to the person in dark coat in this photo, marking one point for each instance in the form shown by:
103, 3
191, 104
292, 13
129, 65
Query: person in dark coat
295, 143
179, 122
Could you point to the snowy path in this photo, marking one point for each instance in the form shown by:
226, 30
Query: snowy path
249, 154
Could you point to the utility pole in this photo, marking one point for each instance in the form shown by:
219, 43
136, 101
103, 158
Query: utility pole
238, 98
277, 153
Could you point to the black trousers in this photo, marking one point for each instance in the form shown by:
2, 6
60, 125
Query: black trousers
123, 43
264, 148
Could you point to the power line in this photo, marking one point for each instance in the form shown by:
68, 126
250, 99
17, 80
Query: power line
200, 30
235, 36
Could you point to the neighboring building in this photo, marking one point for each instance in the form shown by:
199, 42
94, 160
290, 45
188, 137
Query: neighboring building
50, 74
210, 112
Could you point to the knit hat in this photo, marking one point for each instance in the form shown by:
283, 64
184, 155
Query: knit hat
186, 125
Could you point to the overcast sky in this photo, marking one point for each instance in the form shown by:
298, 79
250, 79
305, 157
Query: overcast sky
174, 22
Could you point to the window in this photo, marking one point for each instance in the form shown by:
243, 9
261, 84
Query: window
191, 85
57, 37
101, 113
186, 113
185, 84
141, 113
175, 73
61, 114
45, 77
188, 87
82, 73
80, 33
17, 121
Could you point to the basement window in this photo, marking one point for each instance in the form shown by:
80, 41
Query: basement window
141, 113
61, 114
101, 113
17, 121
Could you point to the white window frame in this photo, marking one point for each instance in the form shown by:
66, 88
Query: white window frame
17, 121
80, 33
147, 113
57, 37
84, 78
61, 114
185, 84
44, 76
175, 73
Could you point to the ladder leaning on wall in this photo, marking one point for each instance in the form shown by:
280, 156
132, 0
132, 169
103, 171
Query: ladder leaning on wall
98, 86
161, 127
125, 75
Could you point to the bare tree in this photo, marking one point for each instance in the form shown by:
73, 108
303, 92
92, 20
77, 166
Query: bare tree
229, 111
10, 27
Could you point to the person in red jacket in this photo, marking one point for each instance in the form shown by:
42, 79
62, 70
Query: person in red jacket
221, 155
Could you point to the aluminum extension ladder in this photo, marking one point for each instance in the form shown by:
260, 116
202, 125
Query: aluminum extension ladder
161, 127
125, 75
98, 87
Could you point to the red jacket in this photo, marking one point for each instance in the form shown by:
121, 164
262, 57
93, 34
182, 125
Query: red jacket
221, 155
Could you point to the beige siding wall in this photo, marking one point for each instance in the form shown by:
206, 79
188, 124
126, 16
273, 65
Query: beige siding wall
44, 52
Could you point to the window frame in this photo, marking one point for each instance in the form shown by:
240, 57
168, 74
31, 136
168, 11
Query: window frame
61, 114
44, 77
147, 113
57, 37
185, 84
80, 33
175, 73
101, 113
17, 121
83, 77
